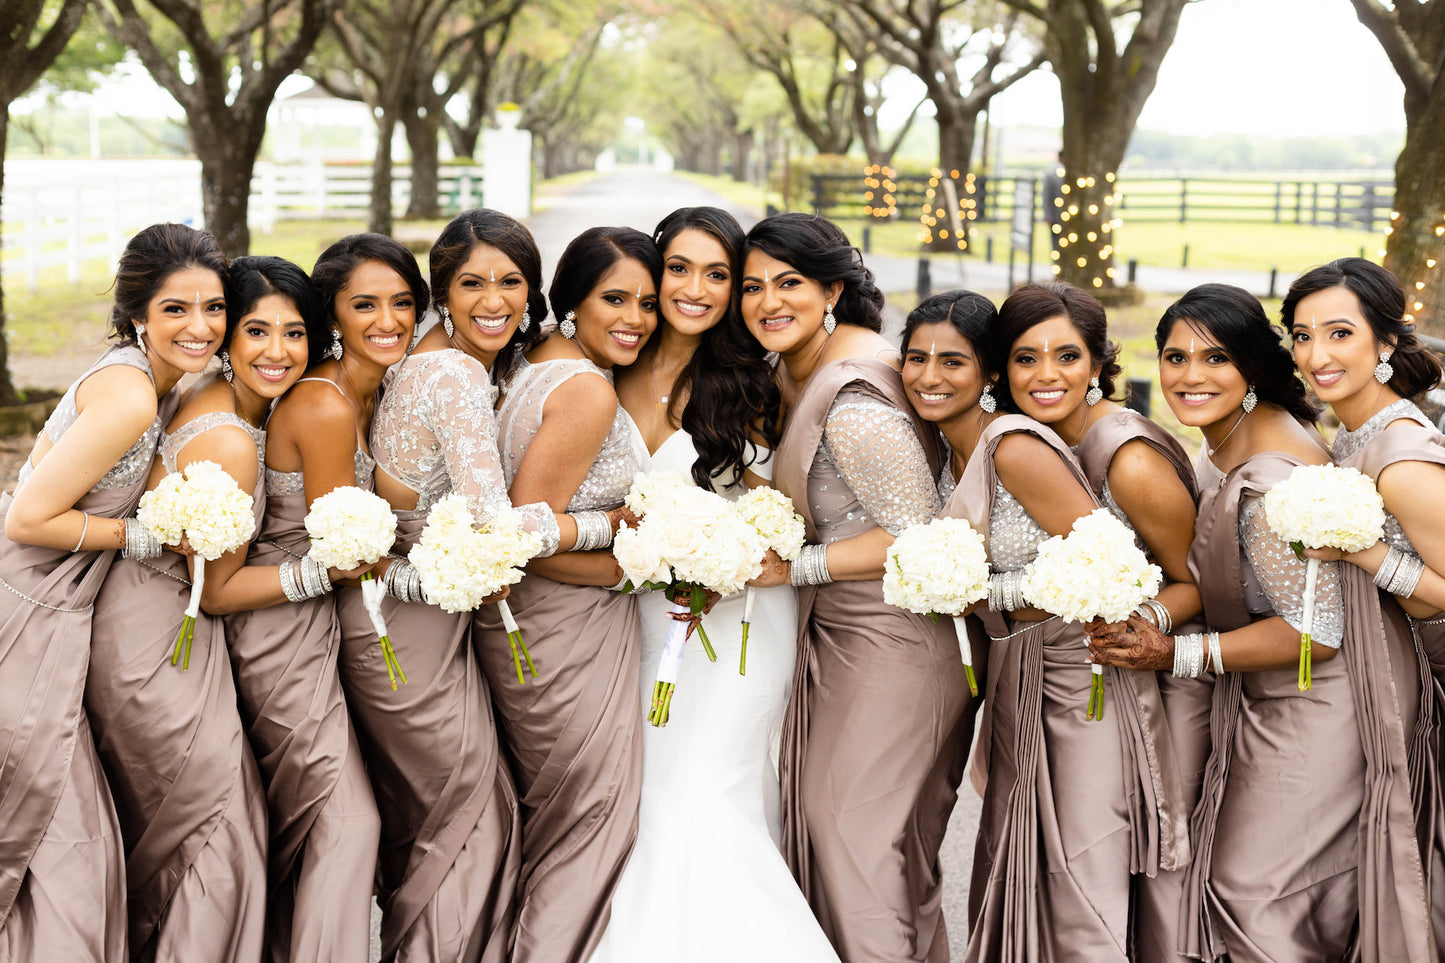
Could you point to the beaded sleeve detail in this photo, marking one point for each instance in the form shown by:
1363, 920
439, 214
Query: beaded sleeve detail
173, 442
520, 416
1013, 535
137, 459
878, 458
294, 482
436, 432
1279, 578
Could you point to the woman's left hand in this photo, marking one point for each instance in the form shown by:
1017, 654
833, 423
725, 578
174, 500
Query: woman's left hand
503, 593
1136, 644
685, 600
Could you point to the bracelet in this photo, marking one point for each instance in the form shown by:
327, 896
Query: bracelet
1216, 655
1407, 576
811, 566
403, 582
1388, 566
594, 531
1157, 613
304, 578
1006, 591
1188, 655
140, 544
83, 529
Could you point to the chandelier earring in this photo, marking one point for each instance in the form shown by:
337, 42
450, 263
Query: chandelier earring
227, 371
987, 401
829, 322
336, 349
568, 326
1384, 371
1250, 400
446, 316
525, 324
140, 331
1095, 394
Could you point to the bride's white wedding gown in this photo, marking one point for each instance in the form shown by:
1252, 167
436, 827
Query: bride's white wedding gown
706, 882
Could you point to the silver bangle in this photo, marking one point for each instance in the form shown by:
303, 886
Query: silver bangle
304, 578
1390, 564
811, 566
289, 586
1216, 657
1407, 576
403, 582
1188, 655
140, 544
1159, 614
84, 528
594, 531
1006, 591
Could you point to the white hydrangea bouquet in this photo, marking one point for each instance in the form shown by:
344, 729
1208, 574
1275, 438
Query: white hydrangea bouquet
205, 506
461, 563
771, 514
351, 527
940, 568
689, 542
1094, 572
1323, 506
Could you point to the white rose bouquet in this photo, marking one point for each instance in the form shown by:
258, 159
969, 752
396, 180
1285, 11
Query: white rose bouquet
1323, 506
1095, 572
460, 564
351, 527
781, 528
205, 506
688, 543
940, 568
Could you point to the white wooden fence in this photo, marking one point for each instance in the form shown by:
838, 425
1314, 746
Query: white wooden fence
70, 212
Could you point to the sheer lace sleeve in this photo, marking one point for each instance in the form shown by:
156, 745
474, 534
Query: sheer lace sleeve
878, 456
1281, 576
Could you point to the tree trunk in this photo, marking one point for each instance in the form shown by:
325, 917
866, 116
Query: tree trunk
955, 150
1096, 136
742, 151
380, 220
422, 136
226, 166
1414, 250
7, 388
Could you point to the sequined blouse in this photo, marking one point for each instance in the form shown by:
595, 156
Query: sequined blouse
871, 470
173, 442
294, 482
520, 416
1349, 443
136, 461
1013, 535
435, 432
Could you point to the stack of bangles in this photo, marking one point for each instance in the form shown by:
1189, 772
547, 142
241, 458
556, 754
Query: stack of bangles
304, 578
594, 531
1196, 652
1006, 591
140, 544
403, 582
1399, 573
1154, 611
811, 566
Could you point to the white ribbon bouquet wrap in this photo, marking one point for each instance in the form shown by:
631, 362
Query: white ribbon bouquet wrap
205, 506
781, 529
939, 568
1323, 506
1094, 572
461, 563
351, 527
689, 542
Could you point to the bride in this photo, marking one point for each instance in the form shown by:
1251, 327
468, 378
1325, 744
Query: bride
706, 881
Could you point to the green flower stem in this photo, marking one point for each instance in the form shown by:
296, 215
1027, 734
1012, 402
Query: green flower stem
706, 644
182, 654
1096, 698
1306, 663
393, 665
972, 679
661, 703
518, 645
743, 659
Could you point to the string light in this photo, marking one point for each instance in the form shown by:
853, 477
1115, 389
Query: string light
880, 190
1077, 200
932, 213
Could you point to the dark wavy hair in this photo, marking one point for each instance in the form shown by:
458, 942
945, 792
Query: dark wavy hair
591, 255
972, 315
456, 243
1032, 304
334, 266
154, 254
1382, 302
819, 250
254, 277
1236, 319
731, 395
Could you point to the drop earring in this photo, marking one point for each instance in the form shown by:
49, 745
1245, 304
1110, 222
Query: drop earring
1250, 400
227, 371
568, 327
1384, 371
140, 331
525, 324
987, 401
1095, 394
446, 316
829, 322
336, 350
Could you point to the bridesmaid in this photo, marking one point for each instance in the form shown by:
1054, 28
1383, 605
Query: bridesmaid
1038, 887
573, 733
703, 398
62, 893
191, 806
867, 788
1062, 372
1277, 831
324, 822
451, 838
1354, 349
